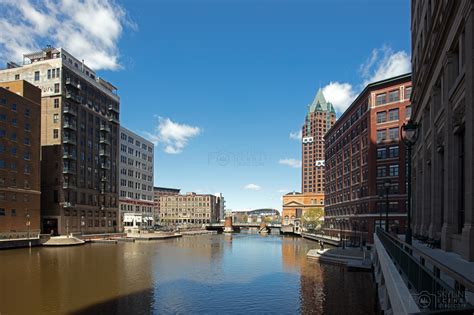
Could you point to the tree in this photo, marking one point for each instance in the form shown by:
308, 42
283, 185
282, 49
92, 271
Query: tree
312, 218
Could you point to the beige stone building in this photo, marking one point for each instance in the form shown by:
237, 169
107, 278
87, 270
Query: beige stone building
19, 159
189, 209
79, 142
443, 87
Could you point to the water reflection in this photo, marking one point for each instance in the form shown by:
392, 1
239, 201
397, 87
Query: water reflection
202, 274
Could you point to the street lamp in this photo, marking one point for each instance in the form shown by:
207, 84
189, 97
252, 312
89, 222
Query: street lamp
387, 185
409, 135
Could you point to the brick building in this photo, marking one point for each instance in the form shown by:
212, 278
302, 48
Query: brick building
365, 162
79, 142
19, 159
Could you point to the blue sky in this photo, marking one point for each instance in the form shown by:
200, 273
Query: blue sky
220, 85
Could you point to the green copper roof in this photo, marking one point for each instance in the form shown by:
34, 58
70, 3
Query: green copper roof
320, 104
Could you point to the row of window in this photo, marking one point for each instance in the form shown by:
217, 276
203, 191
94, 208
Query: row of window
392, 170
392, 134
137, 143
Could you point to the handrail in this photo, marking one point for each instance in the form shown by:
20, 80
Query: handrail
468, 284
425, 282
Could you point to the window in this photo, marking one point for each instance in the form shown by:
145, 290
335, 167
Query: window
408, 93
49, 73
56, 87
27, 112
408, 112
2, 211
381, 171
394, 96
14, 122
380, 99
393, 152
55, 133
27, 127
2, 164
17, 77
37, 75
393, 133
56, 103
55, 118
381, 117
13, 212
393, 170
393, 114
381, 153
14, 107
3, 117
381, 135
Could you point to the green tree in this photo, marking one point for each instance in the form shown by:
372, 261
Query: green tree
311, 218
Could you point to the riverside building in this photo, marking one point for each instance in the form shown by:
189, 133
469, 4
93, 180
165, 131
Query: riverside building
136, 181
157, 193
19, 160
189, 209
442, 158
365, 162
79, 142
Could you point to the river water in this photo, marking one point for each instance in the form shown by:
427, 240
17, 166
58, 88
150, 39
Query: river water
207, 274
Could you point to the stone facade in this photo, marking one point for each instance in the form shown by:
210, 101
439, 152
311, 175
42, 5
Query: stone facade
157, 193
442, 161
295, 204
19, 159
364, 153
189, 209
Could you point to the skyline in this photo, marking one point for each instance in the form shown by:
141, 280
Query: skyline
238, 133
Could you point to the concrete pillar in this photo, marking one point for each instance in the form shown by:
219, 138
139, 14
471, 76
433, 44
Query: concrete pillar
228, 228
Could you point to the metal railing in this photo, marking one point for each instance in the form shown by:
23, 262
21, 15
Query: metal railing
433, 293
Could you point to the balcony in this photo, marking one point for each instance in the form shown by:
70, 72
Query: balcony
69, 125
105, 128
104, 179
112, 108
73, 97
69, 156
69, 140
69, 170
69, 110
68, 205
104, 140
114, 119
105, 166
68, 186
70, 82
103, 152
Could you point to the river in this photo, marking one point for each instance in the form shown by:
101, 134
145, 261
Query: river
218, 274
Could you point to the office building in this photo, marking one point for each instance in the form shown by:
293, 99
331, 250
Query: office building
190, 209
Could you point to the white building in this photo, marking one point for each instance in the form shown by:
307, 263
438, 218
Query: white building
136, 181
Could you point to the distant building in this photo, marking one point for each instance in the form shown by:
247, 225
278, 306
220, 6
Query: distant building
136, 181
20, 194
320, 117
157, 193
256, 215
189, 209
295, 204
79, 141
365, 160
442, 160
221, 205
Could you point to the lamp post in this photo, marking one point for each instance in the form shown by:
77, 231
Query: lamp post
82, 225
387, 185
409, 135
28, 223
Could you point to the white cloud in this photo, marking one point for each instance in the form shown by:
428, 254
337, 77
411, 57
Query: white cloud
340, 95
172, 135
384, 63
252, 187
89, 29
290, 162
297, 135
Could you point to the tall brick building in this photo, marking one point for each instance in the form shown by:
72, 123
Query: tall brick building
19, 159
79, 142
365, 160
